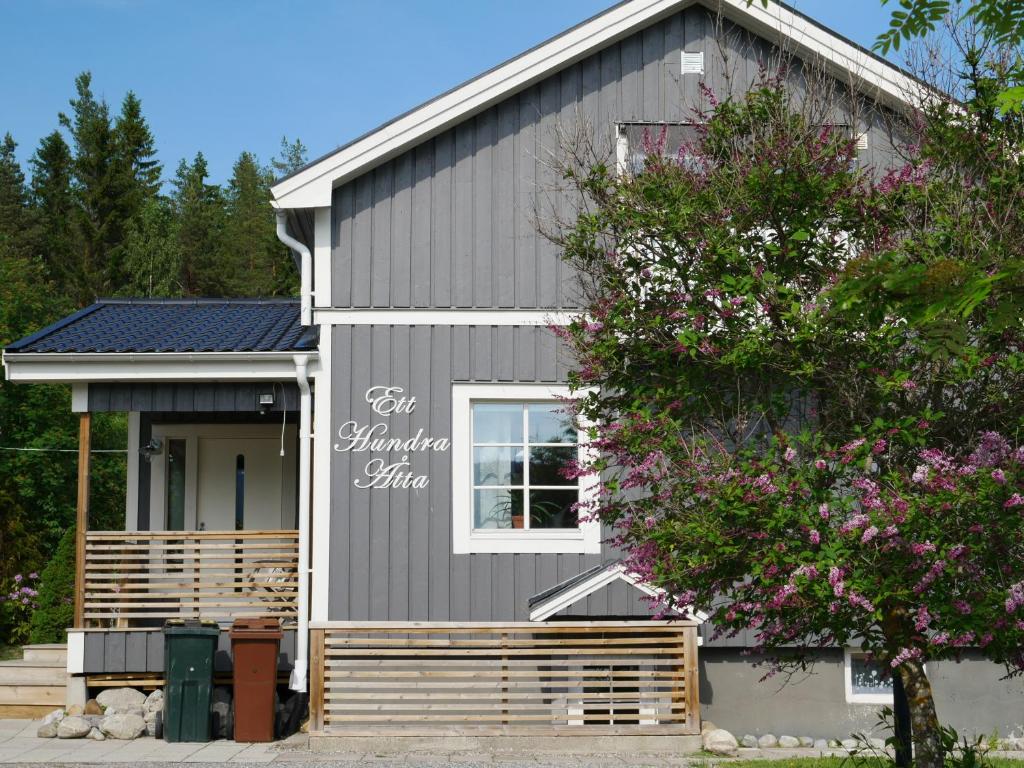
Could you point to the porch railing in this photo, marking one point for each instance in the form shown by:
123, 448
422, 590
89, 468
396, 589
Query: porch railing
143, 578
573, 677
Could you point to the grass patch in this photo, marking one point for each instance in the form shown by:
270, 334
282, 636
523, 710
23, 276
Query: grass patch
841, 762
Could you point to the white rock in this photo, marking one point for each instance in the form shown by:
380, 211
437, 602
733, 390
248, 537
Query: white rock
834, 743
96, 735
768, 741
821, 744
806, 741
877, 743
73, 728
54, 717
47, 731
123, 726
720, 742
154, 702
749, 741
850, 744
789, 742
707, 726
121, 699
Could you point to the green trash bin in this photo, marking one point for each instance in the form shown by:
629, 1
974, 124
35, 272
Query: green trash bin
189, 645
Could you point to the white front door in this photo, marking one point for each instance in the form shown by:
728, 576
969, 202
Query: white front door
223, 477
240, 483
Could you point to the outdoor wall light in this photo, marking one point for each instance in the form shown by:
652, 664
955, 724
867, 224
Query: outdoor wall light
153, 448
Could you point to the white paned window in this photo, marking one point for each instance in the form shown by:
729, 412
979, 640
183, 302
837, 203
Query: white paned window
510, 447
866, 680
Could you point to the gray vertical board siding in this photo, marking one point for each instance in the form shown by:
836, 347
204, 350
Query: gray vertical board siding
134, 651
391, 548
172, 397
483, 186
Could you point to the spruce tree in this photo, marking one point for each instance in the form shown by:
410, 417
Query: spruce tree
260, 265
13, 199
98, 188
291, 157
54, 205
199, 208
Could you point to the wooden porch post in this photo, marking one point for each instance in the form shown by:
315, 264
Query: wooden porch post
82, 514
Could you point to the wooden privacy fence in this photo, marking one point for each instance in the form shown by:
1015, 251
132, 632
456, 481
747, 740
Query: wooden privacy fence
612, 677
139, 579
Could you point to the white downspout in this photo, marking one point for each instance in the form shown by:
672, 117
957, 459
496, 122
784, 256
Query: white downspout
297, 682
306, 270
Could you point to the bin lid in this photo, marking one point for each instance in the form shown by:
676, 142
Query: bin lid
256, 628
194, 627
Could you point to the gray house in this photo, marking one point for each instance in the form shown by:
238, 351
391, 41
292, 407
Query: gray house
377, 462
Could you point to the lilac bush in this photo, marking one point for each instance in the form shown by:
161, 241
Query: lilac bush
18, 600
807, 379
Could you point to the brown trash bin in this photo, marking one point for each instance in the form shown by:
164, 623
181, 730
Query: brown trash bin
254, 647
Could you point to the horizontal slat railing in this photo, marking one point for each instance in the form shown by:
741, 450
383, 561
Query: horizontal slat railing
492, 678
140, 577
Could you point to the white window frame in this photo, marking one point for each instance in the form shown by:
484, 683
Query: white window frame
586, 539
859, 698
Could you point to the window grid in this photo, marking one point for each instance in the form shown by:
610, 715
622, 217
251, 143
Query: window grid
526, 487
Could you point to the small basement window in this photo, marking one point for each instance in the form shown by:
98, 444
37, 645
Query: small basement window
867, 680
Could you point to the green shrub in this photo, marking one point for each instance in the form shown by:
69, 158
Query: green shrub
56, 594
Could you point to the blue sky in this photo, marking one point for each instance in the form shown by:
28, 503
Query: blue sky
226, 75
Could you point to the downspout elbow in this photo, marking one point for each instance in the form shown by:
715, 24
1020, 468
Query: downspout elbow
305, 270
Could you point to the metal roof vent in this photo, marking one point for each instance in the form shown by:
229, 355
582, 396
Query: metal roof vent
693, 63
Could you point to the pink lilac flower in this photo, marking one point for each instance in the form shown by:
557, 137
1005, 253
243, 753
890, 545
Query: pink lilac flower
33, 575
905, 655
930, 576
920, 474
854, 523
789, 455
824, 511
835, 580
909, 385
879, 446
1016, 597
859, 601
819, 464
920, 549
922, 619
939, 638
1014, 501
815, 537
992, 449
999, 476
963, 606
963, 640
869, 534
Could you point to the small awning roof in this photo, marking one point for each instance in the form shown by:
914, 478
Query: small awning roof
570, 591
175, 325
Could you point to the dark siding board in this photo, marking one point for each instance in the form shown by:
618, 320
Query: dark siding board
380, 503
398, 542
462, 218
380, 265
483, 209
362, 243
420, 226
526, 195
114, 652
503, 193
442, 219
440, 547
480, 596
342, 213
504, 351
401, 233
547, 181
419, 513
342, 564
93, 653
144, 475
135, 651
155, 652
222, 397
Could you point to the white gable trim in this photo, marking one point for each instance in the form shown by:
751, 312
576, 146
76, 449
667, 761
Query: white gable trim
312, 186
599, 580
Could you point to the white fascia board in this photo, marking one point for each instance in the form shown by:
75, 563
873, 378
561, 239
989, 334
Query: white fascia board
511, 317
311, 188
70, 367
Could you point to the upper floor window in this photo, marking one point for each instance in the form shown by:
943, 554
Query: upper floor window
511, 447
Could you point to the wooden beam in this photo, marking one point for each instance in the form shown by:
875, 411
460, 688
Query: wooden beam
82, 513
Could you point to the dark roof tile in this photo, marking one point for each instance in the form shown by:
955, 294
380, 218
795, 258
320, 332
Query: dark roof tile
176, 325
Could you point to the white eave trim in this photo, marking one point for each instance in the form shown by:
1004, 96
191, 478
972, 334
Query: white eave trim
57, 367
523, 317
311, 188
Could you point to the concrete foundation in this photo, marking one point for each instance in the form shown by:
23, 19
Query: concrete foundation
533, 745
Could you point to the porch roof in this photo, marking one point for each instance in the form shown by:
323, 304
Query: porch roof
175, 326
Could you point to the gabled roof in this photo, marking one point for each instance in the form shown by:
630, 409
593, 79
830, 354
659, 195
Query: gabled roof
311, 186
175, 326
570, 591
